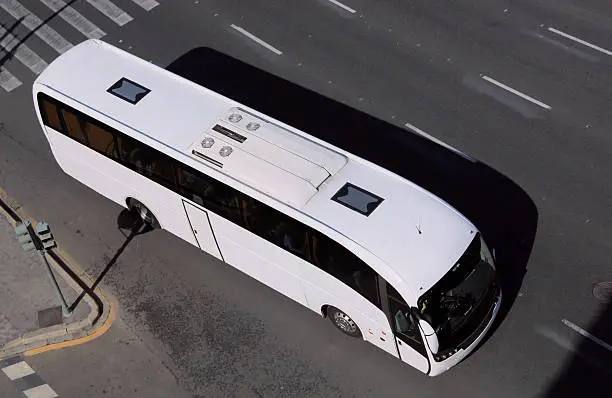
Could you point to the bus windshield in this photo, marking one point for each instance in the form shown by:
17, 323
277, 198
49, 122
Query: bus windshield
458, 304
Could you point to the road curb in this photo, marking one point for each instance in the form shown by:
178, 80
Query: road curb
101, 312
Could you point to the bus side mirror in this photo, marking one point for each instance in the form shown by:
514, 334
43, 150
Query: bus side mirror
430, 336
427, 329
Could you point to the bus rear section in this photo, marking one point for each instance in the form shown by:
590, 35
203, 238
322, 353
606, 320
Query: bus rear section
384, 260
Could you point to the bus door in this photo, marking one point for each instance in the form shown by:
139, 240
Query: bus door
410, 345
202, 231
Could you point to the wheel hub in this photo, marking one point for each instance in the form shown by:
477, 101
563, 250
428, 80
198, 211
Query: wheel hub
345, 323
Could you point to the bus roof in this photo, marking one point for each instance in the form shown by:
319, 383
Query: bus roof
278, 140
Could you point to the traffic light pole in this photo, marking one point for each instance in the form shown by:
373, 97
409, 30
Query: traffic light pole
65, 307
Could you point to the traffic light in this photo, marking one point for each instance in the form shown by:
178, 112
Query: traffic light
44, 234
24, 234
41, 240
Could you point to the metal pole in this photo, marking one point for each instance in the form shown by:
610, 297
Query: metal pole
65, 309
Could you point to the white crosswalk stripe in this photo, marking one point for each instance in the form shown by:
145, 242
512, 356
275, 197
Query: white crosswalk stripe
148, 5
26, 379
12, 44
74, 18
18, 370
23, 53
110, 10
42, 391
7, 81
36, 25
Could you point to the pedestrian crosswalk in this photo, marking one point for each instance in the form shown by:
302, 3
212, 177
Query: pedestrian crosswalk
110, 10
11, 46
74, 18
8, 81
16, 17
26, 379
36, 25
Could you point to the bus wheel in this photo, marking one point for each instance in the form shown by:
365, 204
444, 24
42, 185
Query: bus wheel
343, 322
143, 212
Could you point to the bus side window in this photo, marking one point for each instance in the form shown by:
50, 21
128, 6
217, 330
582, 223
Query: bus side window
215, 196
192, 186
250, 213
147, 161
227, 201
101, 140
75, 126
405, 326
50, 115
339, 262
293, 237
257, 217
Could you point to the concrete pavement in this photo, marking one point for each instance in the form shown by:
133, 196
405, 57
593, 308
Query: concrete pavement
117, 364
88, 353
31, 316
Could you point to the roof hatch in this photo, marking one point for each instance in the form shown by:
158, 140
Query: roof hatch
267, 157
357, 199
128, 90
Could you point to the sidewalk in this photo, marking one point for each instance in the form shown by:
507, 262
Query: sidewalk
30, 310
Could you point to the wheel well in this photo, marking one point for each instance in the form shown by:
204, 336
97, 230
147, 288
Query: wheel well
324, 310
128, 200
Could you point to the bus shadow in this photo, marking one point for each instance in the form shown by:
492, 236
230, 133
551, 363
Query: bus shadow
588, 372
501, 209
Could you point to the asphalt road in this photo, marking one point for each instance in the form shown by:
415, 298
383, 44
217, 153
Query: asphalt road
117, 364
437, 66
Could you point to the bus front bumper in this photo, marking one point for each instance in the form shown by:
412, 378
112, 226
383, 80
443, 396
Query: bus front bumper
438, 368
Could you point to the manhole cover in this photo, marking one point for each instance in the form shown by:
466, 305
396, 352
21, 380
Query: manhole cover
49, 317
603, 291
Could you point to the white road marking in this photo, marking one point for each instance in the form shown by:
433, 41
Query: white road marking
111, 11
147, 4
7, 81
257, 39
36, 25
586, 334
568, 344
437, 141
586, 43
579, 52
23, 53
555, 337
18, 370
75, 18
347, 8
513, 91
42, 391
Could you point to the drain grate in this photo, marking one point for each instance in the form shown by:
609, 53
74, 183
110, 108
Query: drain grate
603, 291
50, 316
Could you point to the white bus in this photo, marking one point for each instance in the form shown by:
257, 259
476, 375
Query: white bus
383, 259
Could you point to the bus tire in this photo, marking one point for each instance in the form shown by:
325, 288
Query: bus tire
343, 322
143, 212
